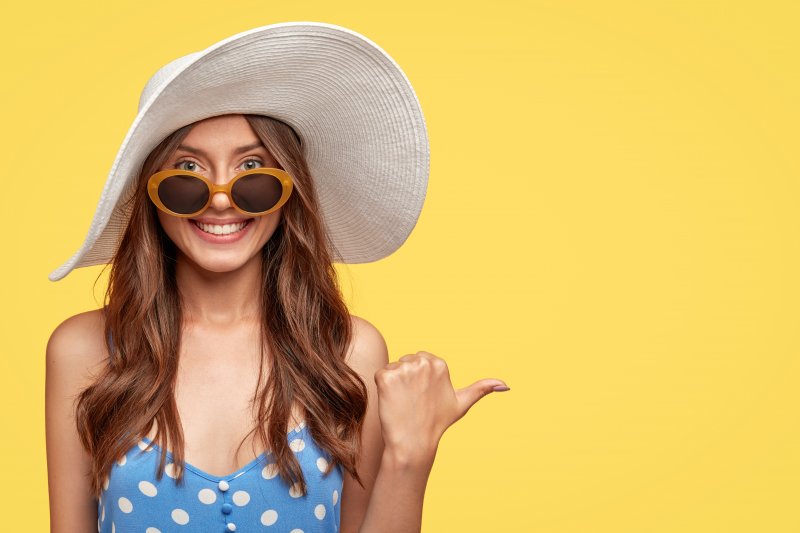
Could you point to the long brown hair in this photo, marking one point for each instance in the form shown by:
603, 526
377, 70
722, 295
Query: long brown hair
305, 327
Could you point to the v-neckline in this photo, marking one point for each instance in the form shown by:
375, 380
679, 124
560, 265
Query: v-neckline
228, 477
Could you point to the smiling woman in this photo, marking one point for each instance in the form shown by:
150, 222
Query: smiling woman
219, 305
224, 327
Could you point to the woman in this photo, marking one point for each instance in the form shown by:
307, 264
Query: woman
224, 339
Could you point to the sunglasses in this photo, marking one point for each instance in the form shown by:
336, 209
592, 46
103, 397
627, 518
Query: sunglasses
254, 192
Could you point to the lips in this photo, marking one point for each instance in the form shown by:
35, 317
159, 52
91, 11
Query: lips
221, 229
220, 221
221, 233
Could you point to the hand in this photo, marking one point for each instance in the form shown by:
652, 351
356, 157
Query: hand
417, 403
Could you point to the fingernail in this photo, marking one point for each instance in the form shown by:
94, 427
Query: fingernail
501, 388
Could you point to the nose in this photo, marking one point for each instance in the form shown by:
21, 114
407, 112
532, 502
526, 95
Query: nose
220, 200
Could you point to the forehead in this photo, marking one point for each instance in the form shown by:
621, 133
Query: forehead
222, 133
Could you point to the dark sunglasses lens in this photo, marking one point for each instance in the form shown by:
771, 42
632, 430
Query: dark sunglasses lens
257, 192
183, 194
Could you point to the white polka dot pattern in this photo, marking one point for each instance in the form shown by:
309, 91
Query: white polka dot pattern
125, 505
295, 491
180, 516
207, 496
253, 498
319, 511
269, 517
241, 497
171, 470
270, 471
148, 489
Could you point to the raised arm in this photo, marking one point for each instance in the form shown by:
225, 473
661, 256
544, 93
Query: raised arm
416, 403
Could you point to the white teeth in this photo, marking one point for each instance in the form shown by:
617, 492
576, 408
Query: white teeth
216, 229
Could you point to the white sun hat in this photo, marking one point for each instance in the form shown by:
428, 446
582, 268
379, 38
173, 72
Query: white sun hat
358, 117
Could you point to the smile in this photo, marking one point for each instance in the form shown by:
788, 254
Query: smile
221, 234
227, 229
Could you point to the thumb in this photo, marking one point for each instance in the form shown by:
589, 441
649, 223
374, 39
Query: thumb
468, 396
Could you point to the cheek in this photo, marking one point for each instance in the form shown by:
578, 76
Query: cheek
266, 227
171, 226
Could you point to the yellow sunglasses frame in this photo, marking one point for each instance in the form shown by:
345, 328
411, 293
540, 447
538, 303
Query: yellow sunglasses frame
155, 180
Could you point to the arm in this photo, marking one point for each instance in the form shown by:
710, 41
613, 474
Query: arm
411, 404
396, 503
368, 355
71, 352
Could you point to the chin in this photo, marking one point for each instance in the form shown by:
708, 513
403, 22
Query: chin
220, 267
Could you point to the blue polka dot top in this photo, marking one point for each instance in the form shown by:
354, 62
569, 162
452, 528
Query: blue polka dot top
254, 498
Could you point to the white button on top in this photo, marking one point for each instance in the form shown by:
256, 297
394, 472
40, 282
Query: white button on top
223, 486
231, 526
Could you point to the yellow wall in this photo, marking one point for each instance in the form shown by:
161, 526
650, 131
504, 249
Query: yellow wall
611, 227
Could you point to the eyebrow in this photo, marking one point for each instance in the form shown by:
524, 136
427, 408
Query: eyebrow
239, 150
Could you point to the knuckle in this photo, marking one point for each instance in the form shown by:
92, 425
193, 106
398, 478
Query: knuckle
439, 364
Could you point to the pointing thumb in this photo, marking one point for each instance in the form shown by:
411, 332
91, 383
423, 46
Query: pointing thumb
469, 395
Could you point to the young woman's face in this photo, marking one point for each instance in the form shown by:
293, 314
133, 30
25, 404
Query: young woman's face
212, 148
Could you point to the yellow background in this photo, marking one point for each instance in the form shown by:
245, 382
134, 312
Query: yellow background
611, 227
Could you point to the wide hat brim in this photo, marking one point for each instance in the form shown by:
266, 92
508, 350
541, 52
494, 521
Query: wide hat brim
358, 117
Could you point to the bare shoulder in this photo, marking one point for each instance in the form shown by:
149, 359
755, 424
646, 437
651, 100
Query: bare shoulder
77, 345
368, 350
75, 353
